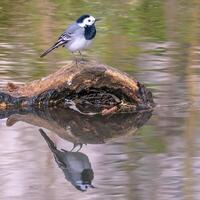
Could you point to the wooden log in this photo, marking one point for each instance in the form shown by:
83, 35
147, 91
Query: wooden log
88, 87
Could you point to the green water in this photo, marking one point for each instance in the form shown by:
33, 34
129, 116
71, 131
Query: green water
156, 41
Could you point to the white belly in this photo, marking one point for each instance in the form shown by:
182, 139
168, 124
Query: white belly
78, 44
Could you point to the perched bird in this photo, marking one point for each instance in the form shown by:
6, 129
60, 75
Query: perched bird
77, 36
75, 165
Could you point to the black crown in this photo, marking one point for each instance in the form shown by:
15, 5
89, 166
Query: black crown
80, 19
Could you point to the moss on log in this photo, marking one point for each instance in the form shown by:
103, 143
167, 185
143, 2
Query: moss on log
88, 88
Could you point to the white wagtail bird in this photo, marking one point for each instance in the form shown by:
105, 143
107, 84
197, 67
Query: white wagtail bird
75, 165
77, 36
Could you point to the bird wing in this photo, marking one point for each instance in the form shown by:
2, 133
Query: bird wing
64, 38
69, 32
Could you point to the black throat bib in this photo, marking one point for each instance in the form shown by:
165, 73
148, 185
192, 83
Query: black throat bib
90, 32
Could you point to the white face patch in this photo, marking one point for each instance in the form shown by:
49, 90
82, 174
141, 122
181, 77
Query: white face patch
83, 187
89, 21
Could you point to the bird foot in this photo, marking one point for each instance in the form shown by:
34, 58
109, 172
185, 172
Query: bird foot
77, 144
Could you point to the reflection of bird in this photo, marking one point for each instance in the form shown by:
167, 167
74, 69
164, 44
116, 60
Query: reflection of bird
77, 144
75, 165
77, 36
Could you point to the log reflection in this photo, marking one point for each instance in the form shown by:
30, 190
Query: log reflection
77, 128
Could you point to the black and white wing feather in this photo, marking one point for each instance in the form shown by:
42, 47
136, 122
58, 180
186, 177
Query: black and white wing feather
63, 39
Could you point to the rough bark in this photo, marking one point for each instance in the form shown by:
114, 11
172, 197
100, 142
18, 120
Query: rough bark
88, 87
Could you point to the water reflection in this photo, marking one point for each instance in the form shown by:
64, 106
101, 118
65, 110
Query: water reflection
75, 165
77, 128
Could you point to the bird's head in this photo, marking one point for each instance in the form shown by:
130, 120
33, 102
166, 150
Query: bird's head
86, 20
84, 187
85, 183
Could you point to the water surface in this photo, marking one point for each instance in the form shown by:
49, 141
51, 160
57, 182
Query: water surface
155, 41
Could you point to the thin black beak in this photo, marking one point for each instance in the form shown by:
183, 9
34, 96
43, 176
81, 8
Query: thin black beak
98, 19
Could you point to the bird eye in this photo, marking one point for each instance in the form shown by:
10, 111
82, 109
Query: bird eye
89, 20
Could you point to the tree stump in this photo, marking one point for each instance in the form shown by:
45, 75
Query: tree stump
89, 88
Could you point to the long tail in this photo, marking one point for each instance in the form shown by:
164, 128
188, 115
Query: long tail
57, 154
56, 45
50, 143
49, 50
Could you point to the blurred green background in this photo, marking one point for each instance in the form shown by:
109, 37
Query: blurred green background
127, 28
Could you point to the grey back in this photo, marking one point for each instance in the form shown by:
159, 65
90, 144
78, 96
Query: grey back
72, 30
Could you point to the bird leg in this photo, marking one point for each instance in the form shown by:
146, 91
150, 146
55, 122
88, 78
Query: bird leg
81, 55
80, 147
75, 145
75, 58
